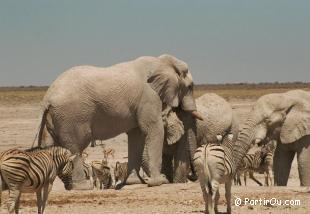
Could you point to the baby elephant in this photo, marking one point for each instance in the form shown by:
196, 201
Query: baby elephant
101, 173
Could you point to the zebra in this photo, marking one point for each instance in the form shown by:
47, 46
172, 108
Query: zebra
214, 165
249, 163
261, 161
120, 174
102, 173
87, 168
34, 170
267, 166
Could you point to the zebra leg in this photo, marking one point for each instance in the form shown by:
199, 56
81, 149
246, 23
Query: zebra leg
100, 184
14, 194
94, 180
266, 178
270, 175
216, 200
244, 177
205, 191
17, 204
251, 175
212, 200
228, 195
205, 197
238, 178
46, 190
39, 201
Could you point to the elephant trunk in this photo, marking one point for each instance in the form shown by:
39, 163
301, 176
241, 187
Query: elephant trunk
244, 140
192, 148
192, 145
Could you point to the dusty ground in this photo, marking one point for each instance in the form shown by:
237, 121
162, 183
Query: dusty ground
19, 123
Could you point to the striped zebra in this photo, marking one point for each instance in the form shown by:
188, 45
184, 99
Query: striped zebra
249, 164
214, 165
34, 170
101, 173
120, 174
261, 161
267, 166
87, 168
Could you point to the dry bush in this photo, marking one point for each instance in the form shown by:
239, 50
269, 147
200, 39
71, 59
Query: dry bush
248, 91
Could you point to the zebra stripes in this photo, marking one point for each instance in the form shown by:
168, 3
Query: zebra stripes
34, 170
250, 163
261, 161
101, 173
214, 165
87, 170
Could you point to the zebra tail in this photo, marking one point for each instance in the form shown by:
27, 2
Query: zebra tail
202, 168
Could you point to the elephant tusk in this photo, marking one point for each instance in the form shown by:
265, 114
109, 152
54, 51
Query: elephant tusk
197, 115
219, 137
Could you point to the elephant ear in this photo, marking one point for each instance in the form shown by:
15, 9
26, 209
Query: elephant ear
296, 124
174, 128
166, 80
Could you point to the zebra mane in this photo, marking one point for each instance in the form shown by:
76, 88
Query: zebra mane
33, 149
38, 148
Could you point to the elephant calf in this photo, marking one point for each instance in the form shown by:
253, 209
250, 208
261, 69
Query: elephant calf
183, 134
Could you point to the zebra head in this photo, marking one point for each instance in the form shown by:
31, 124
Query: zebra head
120, 173
65, 174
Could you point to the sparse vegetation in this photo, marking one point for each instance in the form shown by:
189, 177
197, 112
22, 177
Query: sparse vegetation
34, 94
248, 91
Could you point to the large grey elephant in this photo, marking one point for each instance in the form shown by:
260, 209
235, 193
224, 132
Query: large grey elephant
87, 103
289, 113
179, 147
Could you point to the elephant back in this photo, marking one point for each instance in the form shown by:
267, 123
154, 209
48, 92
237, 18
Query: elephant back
218, 113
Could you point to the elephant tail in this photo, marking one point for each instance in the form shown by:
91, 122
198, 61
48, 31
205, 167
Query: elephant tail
202, 168
44, 124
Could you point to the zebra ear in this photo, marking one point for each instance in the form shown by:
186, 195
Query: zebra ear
71, 158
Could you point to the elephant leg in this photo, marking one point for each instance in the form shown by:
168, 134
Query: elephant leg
303, 159
78, 176
76, 143
181, 163
151, 125
135, 149
283, 159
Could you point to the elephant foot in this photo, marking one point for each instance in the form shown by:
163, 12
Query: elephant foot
157, 181
133, 178
82, 185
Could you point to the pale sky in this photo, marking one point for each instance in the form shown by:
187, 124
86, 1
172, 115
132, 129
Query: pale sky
222, 41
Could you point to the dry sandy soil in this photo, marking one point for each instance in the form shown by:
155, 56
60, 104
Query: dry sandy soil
18, 126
